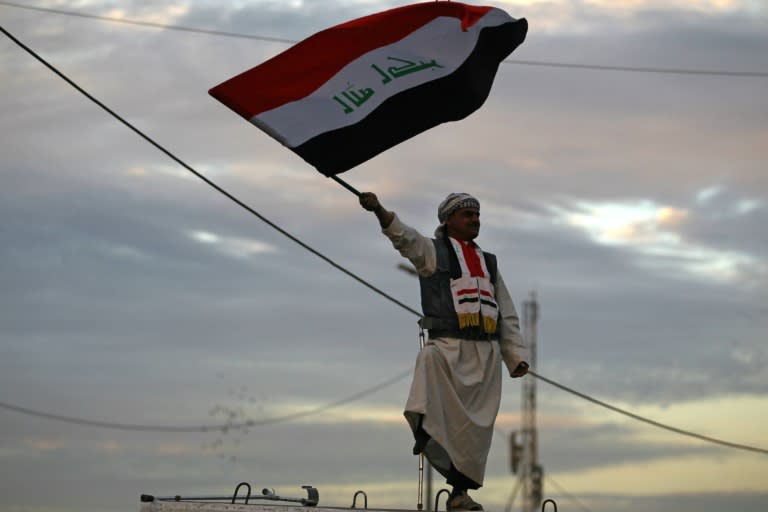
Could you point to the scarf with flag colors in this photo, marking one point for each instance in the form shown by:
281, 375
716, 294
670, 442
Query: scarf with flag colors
347, 93
472, 292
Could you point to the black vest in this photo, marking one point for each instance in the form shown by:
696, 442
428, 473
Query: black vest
436, 300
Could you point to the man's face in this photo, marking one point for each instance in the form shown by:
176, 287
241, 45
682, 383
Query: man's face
464, 224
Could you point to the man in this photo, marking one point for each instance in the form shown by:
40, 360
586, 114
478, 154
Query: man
473, 326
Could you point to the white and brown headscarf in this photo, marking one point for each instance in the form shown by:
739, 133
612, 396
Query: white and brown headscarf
450, 204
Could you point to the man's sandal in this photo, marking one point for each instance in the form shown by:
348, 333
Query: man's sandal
462, 502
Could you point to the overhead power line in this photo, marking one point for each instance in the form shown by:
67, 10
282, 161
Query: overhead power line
207, 180
650, 422
240, 35
638, 69
253, 212
149, 24
567, 494
206, 428
325, 258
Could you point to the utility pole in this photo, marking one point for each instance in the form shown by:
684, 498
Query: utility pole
531, 472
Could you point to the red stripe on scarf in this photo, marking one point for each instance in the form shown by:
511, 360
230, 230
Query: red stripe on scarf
472, 259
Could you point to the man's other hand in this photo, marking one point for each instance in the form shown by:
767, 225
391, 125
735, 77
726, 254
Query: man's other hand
522, 369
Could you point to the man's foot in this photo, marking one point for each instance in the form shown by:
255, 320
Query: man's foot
462, 501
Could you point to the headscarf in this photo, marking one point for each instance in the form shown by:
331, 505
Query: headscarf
450, 204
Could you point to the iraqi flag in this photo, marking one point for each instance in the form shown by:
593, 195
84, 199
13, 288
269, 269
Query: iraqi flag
344, 95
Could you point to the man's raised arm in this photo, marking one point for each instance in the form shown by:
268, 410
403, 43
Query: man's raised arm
370, 202
410, 243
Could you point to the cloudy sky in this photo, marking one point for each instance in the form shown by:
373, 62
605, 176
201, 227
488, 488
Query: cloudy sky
633, 204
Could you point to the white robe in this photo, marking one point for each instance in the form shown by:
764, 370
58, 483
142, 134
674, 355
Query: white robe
457, 383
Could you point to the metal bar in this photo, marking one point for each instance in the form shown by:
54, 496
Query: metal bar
345, 185
420, 503
226, 498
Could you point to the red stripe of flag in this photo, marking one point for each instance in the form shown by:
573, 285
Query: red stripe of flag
300, 70
466, 291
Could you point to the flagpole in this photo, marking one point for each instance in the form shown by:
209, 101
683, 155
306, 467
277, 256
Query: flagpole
345, 185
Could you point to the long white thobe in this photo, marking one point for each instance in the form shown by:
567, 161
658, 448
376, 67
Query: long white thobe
457, 383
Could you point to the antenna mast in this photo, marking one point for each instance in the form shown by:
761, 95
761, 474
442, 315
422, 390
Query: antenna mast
531, 473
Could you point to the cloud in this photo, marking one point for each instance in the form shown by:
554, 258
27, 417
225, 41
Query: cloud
44, 445
175, 449
131, 292
109, 446
652, 232
162, 15
236, 247
704, 195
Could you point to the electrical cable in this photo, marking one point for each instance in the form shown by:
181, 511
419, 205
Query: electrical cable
646, 420
150, 24
328, 260
563, 65
206, 428
207, 180
567, 494
638, 69
512, 496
